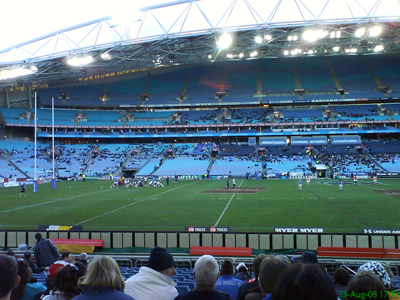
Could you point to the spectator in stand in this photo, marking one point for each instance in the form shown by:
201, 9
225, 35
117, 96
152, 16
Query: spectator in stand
9, 278
10, 253
242, 272
366, 285
68, 257
271, 268
205, 274
392, 286
34, 268
103, 281
155, 280
45, 251
65, 284
378, 270
26, 290
252, 285
227, 283
83, 258
304, 282
51, 275
341, 279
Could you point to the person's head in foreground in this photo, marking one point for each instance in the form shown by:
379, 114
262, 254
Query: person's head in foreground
304, 281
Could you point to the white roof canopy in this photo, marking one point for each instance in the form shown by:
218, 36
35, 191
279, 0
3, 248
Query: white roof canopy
179, 19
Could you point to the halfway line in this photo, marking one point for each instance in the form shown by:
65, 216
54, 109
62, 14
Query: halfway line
226, 207
117, 209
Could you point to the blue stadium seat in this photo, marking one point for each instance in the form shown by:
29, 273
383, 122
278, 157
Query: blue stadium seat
182, 289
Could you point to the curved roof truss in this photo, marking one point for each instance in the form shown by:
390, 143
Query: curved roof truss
181, 19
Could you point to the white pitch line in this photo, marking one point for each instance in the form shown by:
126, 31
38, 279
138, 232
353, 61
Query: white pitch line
117, 209
57, 200
226, 207
372, 187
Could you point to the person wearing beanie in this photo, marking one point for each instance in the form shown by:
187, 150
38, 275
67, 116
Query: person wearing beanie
154, 281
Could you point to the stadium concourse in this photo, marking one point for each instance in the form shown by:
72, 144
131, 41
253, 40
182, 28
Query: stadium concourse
237, 128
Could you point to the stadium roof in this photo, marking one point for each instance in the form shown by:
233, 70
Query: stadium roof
189, 31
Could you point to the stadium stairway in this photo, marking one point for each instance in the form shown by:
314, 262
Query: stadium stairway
90, 160
335, 78
15, 166
119, 170
210, 165
377, 80
162, 161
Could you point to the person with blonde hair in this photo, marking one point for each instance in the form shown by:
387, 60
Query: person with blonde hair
103, 281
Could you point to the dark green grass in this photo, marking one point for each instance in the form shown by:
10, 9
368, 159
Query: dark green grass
182, 204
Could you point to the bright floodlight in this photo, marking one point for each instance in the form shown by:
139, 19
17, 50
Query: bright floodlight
254, 53
209, 56
359, 32
350, 50
295, 51
224, 41
258, 39
336, 48
106, 56
80, 60
241, 54
313, 35
17, 72
375, 31
332, 35
267, 37
286, 52
310, 52
378, 48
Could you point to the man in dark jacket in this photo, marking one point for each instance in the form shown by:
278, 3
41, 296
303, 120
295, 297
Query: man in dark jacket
45, 251
252, 284
206, 273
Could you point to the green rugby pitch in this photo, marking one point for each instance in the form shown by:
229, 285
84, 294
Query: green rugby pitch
278, 203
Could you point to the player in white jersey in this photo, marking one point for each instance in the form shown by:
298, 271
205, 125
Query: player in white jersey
308, 180
374, 179
114, 185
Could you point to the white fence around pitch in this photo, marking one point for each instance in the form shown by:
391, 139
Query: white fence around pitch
264, 241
